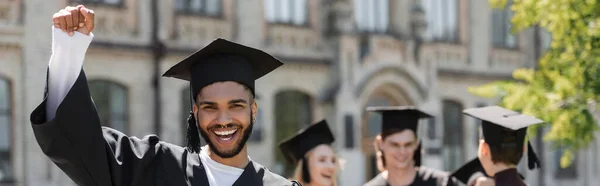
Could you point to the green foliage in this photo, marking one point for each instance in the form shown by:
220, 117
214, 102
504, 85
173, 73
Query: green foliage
565, 87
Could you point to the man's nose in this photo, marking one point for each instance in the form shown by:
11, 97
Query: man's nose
224, 118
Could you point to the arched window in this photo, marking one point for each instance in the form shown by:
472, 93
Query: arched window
453, 135
6, 172
111, 102
293, 111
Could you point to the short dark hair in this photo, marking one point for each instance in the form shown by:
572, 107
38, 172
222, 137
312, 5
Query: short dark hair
389, 132
506, 155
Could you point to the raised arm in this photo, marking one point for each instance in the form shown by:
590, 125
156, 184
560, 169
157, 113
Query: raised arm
68, 52
66, 124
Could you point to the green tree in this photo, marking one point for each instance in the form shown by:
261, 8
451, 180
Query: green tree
565, 88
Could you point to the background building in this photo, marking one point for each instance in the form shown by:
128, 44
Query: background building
340, 55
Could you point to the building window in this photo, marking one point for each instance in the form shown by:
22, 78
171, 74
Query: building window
108, 2
349, 131
200, 7
111, 102
453, 138
501, 36
6, 172
372, 15
442, 20
293, 111
292, 12
569, 172
257, 129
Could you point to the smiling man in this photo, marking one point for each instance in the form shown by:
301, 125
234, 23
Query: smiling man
401, 150
222, 74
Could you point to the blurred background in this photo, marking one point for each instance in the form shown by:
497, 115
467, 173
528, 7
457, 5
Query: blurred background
340, 56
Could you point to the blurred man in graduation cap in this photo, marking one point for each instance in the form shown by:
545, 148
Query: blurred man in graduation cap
501, 146
311, 151
401, 150
221, 75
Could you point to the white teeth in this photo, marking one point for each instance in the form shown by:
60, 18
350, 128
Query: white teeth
224, 133
226, 139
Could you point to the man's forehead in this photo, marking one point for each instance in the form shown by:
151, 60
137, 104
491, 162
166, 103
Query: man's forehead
225, 90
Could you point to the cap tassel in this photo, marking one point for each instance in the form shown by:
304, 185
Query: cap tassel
417, 156
193, 137
532, 158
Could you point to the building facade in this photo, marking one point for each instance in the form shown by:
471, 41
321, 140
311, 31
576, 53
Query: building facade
340, 56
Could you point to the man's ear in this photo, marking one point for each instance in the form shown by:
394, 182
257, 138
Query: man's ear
485, 148
254, 110
195, 109
379, 143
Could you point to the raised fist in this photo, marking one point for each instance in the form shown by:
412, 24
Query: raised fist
70, 19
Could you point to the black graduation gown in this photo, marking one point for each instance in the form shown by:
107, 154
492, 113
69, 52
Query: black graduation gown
509, 177
425, 177
93, 155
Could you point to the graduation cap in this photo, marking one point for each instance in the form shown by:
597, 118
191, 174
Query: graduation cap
469, 172
503, 128
399, 118
220, 61
295, 147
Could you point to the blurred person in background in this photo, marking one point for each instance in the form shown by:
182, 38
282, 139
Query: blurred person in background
401, 150
311, 151
502, 143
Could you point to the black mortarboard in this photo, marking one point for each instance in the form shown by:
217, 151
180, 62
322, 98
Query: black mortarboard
503, 128
223, 60
469, 172
294, 148
219, 61
399, 117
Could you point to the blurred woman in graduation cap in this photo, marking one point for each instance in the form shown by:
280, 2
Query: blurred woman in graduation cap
400, 150
310, 149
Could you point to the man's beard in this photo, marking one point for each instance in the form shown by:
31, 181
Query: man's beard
236, 149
